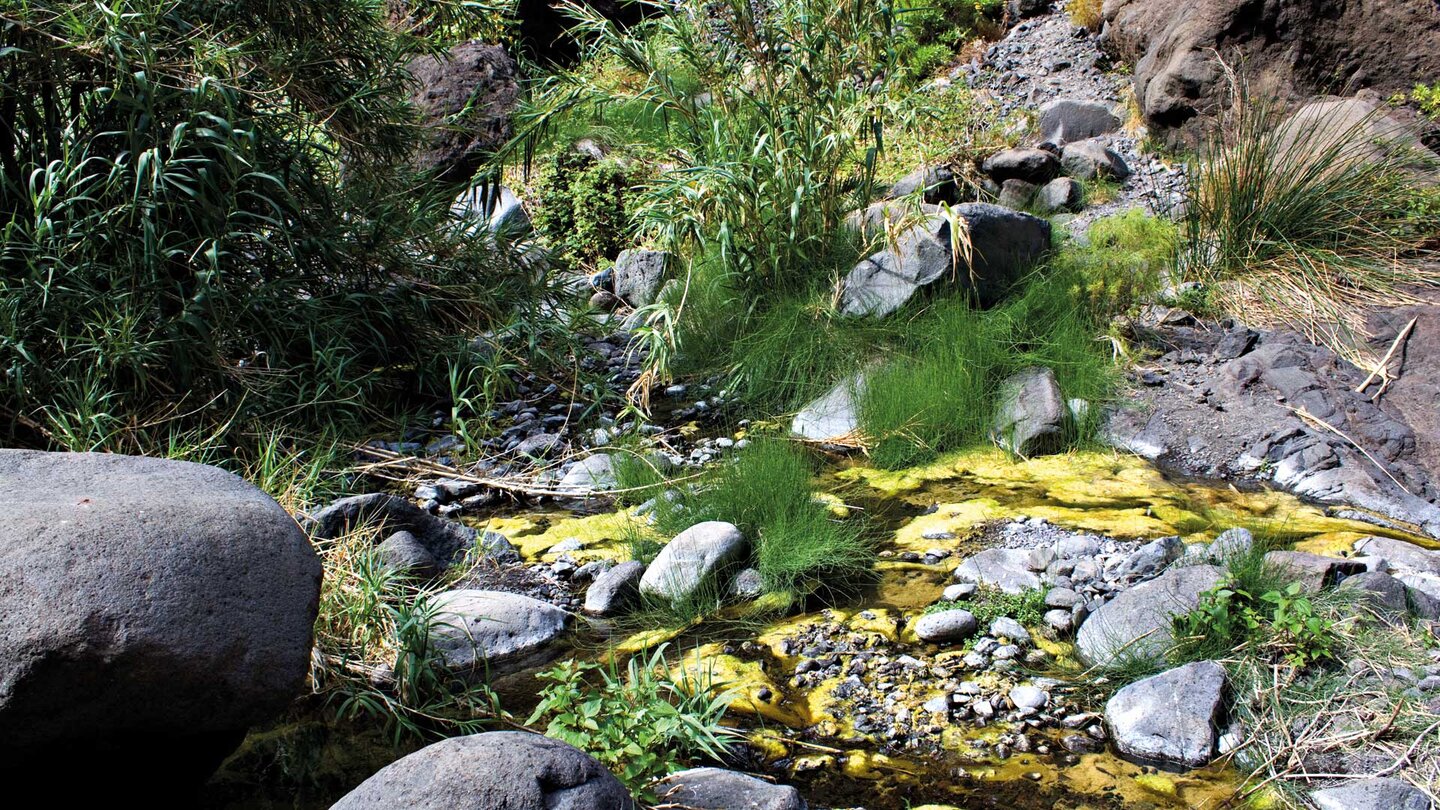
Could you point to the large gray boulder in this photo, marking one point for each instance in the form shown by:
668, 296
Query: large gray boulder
1005, 568
998, 245
464, 98
499, 770
1400, 554
1137, 621
1088, 160
719, 789
831, 416
1031, 165
1169, 719
936, 184
1067, 119
1030, 413
150, 611
694, 557
1379, 793
493, 633
639, 275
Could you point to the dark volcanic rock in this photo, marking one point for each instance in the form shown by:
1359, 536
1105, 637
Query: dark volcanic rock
465, 99
150, 611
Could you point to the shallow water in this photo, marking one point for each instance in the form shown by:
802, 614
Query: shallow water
807, 737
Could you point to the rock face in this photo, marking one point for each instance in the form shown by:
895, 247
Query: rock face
1066, 120
150, 612
833, 415
1030, 415
465, 99
694, 556
1380, 793
1170, 718
1285, 47
1003, 244
639, 274
1137, 622
514, 770
719, 789
494, 633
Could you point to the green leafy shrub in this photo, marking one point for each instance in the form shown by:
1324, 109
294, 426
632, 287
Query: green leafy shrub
640, 724
1282, 624
208, 219
990, 603
934, 30
581, 207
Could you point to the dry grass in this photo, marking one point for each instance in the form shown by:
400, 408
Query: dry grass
1087, 13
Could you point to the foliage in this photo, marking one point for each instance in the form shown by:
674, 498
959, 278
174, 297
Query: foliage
990, 603
1306, 221
209, 220
374, 658
1278, 624
640, 724
581, 208
934, 30
1122, 261
1425, 97
800, 547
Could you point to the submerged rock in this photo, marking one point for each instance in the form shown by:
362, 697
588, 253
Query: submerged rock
150, 612
719, 789
1030, 417
514, 770
1170, 718
1137, 621
493, 633
692, 558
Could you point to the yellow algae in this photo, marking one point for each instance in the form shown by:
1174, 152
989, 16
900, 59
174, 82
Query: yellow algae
1158, 783
833, 504
602, 536
647, 639
744, 682
769, 745
859, 764
1331, 544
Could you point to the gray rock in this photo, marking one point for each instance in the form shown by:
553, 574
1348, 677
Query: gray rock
1067, 120
719, 789
496, 208
878, 219
541, 445
1003, 245
1313, 571
1004, 568
614, 590
1030, 414
1061, 598
590, 473
946, 626
403, 553
514, 770
1017, 194
464, 98
446, 540
1029, 697
1379, 793
1074, 547
833, 415
494, 633
1060, 620
693, 557
1031, 165
748, 584
1060, 194
150, 611
1151, 558
958, 591
639, 275
1386, 593
1137, 621
936, 183
1400, 554
1089, 160
1231, 543
1006, 627
1171, 718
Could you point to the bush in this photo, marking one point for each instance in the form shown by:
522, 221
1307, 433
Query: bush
208, 219
641, 725
1122, 263
581, 208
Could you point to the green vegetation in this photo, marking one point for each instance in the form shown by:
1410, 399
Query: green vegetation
1122, 262
933, 31
640, 724
1425, 97
1277, 623
581, 208
990, 603
1086, 13
1307, 222
800, 547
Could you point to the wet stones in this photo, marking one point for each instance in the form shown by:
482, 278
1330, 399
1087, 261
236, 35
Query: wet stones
719, 789
1171, 718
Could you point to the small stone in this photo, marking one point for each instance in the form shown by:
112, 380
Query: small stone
958, 592
1029, 697
946, 626
1006, 627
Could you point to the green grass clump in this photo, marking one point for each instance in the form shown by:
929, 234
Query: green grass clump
990, 603
1122, 262
799, 547
940, 391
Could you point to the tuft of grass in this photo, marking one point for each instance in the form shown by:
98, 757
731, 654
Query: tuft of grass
1122, 262
1086, 13
990, 603
1308, 222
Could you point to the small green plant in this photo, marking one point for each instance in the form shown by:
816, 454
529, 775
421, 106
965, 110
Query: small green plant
1281, 623
1086, 13
1425, 97
1119, 266
639, 723
990, 603
582, 208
